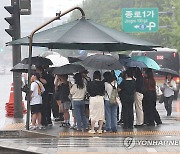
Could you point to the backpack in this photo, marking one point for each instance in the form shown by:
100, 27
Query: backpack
39, 89
114, 95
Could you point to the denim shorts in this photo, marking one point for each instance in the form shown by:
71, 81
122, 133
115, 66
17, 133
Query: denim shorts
66, 105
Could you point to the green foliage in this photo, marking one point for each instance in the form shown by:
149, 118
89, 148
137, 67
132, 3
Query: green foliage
108, 13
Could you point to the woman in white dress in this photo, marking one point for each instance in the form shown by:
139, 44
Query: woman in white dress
96, 90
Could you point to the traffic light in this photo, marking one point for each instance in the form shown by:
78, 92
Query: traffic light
14, 20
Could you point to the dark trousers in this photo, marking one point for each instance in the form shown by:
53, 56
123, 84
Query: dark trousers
121, 118
151, 115
168, 104
55, 108
44, 109
49, 107
128, 115
118, 113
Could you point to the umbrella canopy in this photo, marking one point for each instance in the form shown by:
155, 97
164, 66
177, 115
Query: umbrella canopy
85, 35
57, 60
128, 62
68, 69
165, 71
22, 68
38, 61
99, 61
76, 59
150, 63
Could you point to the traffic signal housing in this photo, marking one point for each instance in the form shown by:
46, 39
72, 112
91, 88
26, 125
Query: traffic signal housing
13, 20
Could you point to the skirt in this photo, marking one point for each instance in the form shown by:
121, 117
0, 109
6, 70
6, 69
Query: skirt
96, 108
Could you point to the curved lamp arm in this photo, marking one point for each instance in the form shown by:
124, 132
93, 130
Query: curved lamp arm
58, 15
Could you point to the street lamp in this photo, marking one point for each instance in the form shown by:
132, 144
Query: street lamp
58, 15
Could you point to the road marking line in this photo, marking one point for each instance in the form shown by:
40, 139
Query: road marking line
151, 150
142, 133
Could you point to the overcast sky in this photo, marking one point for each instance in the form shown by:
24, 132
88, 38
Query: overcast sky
51, 7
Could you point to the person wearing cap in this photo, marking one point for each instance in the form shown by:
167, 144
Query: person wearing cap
37, 89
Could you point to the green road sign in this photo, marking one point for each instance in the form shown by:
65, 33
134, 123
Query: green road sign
140, 19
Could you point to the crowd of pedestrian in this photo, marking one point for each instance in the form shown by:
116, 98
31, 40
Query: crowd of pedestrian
99, 100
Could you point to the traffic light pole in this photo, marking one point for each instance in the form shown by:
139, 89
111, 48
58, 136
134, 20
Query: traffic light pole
16, 53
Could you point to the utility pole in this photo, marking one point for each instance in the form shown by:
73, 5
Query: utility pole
14, 32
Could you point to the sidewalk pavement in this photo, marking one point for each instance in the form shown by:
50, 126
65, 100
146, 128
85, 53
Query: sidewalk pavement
55, 139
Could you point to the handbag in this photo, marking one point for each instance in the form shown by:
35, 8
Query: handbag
161, 99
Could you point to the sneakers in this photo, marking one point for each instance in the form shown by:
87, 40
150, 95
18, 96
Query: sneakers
99, 131
32, 127
41, 127
50, 124
73, 127
91, 131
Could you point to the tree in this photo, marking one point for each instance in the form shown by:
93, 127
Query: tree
109, 13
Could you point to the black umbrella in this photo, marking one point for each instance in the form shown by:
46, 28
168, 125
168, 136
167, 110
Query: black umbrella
165, 71
23, 68
85, 35
38, 61
99, 61
68, 69
76, 59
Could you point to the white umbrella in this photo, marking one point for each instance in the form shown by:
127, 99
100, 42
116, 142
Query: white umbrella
58, 60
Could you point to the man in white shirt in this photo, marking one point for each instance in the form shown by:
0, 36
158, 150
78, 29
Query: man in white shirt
168, 89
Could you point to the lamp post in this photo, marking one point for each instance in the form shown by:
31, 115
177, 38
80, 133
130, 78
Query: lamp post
58, 15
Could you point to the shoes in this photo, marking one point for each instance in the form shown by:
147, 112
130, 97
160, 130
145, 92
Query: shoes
41, 127
86, 129
78, 130
49, 124
32, 127
57, 119
99, 131
64, 124
150, 124
137, 126
73, 127
126, 127
91, 131
107, 131
160, 123
120, 122
67, 125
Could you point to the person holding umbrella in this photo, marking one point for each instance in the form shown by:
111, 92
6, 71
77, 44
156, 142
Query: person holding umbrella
168, 88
